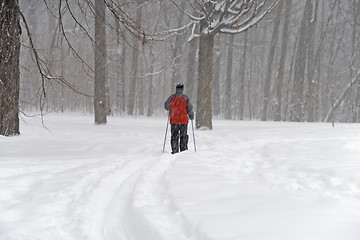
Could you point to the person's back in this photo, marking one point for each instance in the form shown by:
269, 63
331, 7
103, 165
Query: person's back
180, 108
179, 105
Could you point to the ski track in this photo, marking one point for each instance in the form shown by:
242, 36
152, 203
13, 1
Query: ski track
132, 199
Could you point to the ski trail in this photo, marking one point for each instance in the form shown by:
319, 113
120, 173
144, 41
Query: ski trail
154, 217
104, 202
82, 200
114, 216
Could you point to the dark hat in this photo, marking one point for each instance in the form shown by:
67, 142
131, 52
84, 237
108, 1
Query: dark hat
179, 86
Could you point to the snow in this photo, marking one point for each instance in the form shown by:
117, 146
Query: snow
247, 180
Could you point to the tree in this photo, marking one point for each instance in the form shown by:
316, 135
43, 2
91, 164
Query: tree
311, 64
298, 104
9, 67
280, 75
228, 80
191, 68
242, 78
120, 70
204, 91
216, 77
134, 65
269, 67
100, 102
229, 16
176, 49
354, 36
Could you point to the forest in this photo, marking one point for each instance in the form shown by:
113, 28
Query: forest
279, 60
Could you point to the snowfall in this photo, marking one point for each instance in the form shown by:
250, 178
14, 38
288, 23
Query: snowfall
75, 180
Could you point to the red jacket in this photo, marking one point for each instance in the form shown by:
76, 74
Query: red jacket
180, 107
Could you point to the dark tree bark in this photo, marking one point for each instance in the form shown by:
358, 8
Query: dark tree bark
10, 32
354, 36
204, 104
311, 64
269, 67
134, 66
242, 78
176, 47
228, 80
100, 104
120, 70
191, 69
151, 87
297, 108
216, 80
280, 76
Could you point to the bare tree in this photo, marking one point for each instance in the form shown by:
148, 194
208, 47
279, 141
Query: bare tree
269, 67
100, 102
228, 80
9, 67
280, 76
298, 105
176, 49
242, 75
354, 36
134, 65
229, 16
311, 64
120, 68
216, 77
191, 68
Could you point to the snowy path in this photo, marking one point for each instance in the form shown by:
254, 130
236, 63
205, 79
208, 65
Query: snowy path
256, 181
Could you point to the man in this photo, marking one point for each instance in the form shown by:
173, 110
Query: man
180, 107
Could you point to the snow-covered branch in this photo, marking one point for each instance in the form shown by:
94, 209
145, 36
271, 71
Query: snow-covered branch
229, 16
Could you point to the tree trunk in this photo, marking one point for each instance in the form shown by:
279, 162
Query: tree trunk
280, 76
151, 72
329, 86
242, 78
273, 43
100, 103
250, 78
52, 89
177, 46
120, 70
228, 83
141, 93
216, 80
134, 66
204, 104
10, 32
310, 34
191, 68
354, 34
297, 107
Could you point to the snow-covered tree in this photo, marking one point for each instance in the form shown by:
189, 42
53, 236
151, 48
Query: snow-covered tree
214, 17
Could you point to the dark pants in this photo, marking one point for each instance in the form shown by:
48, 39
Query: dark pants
179, 131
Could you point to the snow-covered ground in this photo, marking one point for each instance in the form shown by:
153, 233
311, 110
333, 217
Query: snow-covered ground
247, 181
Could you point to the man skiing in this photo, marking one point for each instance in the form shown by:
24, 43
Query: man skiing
180, 108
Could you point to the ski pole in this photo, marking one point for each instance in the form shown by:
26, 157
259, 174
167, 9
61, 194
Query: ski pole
167, 124
192, 124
